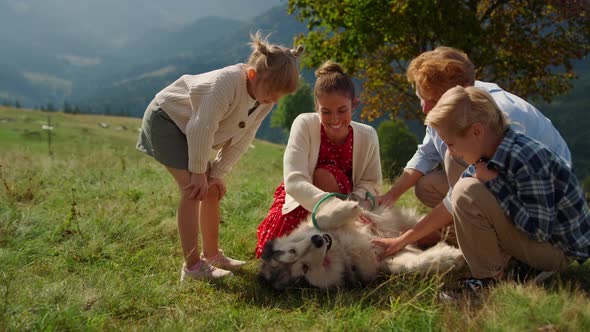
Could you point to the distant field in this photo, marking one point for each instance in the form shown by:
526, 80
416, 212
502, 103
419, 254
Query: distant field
88, 242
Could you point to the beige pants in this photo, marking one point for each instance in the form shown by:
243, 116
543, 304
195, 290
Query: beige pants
488, 239
434, 186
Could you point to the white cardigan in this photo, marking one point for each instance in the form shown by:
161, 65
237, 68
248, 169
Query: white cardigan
211, 109
301, 157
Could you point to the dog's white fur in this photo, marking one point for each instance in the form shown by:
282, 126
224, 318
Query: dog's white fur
306, 254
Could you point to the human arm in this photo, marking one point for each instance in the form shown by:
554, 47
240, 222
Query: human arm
297, 167
406, 181
209, 103
428, 155
230, 153
483, 173
543, 198
367, 174
438, 218
197, 188
529, 191
219, 183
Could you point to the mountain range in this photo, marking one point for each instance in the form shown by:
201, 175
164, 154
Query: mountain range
121, 66
56, 50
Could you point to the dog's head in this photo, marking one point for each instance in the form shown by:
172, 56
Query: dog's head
307, 253
303, 255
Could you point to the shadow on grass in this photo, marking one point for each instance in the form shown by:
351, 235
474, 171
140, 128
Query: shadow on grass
379, 294
383, 293
575, 277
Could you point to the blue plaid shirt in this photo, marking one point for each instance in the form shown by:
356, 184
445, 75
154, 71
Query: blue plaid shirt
540, 193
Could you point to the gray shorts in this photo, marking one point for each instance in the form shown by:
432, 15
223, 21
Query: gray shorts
161, 138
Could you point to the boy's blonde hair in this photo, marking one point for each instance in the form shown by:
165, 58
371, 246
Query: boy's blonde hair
460, 107
276, 66
332, 78
438, 70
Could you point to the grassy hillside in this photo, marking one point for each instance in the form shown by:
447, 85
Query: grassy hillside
88, 242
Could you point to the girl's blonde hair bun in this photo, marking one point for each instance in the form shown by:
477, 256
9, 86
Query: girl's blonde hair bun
298, 50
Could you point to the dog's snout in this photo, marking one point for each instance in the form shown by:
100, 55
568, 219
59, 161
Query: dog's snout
317, 240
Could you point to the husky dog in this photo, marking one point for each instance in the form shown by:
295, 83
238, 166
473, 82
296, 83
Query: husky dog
341, 253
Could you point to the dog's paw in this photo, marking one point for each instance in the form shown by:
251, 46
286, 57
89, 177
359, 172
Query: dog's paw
335, 213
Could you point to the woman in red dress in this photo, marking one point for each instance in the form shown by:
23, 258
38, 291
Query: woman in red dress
326, 152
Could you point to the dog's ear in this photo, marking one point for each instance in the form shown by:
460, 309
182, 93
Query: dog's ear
278, 276
265, 274
267, 251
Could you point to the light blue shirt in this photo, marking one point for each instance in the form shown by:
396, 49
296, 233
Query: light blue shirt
524, 118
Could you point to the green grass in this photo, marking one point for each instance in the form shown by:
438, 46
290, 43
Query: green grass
88, 242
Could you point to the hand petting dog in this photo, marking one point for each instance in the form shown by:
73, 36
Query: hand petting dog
390, 246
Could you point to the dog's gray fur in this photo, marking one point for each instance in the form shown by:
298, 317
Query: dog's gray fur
307, 253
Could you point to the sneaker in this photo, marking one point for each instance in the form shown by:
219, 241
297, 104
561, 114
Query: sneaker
203, 271
471, 288
475, 285
223, 262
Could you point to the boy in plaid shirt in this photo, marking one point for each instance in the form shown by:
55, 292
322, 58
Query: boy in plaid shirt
516, 199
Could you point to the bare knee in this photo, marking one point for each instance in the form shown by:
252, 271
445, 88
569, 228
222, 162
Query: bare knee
185, 194
181, 177
185, 197
325, 180
212, 194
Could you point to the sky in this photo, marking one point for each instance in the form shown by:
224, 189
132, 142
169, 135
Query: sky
114, 22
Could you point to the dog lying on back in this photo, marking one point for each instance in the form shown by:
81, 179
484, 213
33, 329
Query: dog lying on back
341, 253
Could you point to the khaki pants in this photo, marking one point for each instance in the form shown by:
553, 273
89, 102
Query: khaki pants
434, 186
488, 239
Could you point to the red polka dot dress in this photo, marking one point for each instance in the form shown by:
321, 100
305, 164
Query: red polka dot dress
337, 159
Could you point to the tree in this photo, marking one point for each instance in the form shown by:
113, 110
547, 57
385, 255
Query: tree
289, 107
67, 108
17, 104
397, 145
524, 46
50, 107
